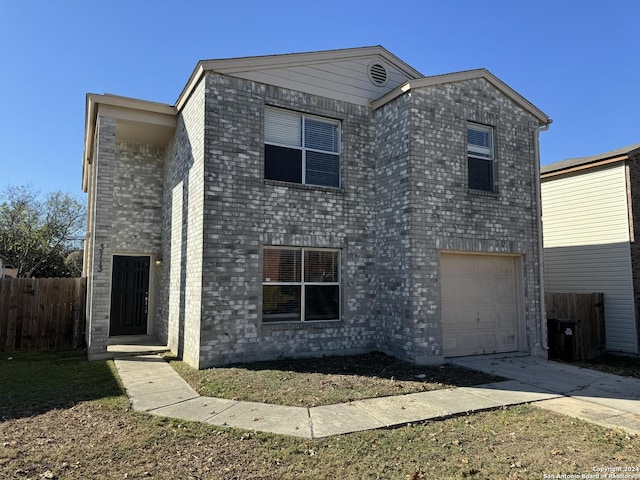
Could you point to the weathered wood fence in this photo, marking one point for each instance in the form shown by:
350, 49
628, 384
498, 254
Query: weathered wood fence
587, 311
42, 313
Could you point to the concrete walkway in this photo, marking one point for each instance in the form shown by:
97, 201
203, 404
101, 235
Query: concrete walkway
154, 386
608, 400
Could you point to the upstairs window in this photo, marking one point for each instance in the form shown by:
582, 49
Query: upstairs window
480, 158
301, 148
300, 284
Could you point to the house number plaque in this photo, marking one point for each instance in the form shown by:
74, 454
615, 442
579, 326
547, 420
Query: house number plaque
100, 254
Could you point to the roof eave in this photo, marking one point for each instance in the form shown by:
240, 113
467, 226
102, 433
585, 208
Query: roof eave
230, 66
93, 103
483, 73
572, 165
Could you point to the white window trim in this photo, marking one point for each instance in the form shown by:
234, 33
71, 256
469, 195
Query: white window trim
302, 283
487, 154
304, 149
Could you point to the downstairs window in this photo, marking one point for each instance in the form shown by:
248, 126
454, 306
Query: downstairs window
300, 284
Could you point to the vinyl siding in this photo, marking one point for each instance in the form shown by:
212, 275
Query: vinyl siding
346, 80
586, 209
586, 240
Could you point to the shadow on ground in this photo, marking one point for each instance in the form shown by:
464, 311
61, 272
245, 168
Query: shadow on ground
375, 365
36, 382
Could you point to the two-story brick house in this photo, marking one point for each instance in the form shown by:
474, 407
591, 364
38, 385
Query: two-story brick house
318, 203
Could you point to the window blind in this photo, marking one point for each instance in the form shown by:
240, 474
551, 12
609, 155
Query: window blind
283, 127
479, 141
321, 135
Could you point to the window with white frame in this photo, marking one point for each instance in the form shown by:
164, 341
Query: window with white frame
300, 284
301, 148
480, 158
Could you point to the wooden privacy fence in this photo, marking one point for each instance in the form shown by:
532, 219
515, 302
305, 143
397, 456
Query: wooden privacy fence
42, 313
576, 323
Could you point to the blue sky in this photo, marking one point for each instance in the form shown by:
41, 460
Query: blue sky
578, 61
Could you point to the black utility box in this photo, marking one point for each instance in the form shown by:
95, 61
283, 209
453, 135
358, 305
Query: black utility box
562, 338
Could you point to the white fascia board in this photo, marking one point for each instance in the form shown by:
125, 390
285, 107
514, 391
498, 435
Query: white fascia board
237, 65
543, 119
581, 163
124, 108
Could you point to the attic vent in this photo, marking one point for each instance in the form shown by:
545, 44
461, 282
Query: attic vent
378, 74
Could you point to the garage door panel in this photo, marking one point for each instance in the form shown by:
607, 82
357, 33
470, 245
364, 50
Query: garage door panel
509, 342
489, 340
479, 304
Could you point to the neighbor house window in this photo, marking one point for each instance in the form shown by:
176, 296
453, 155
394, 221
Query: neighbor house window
300, 284
301, 148
480, 158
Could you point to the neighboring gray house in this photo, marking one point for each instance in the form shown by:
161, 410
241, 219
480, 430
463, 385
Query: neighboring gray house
591, 219
332, 202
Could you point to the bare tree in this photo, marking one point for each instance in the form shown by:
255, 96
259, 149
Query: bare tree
37, 233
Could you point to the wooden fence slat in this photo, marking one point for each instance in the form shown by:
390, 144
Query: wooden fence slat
80, 298
4, 316
39, 321
42, 314
65, 319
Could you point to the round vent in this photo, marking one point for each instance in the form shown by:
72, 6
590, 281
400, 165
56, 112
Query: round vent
378, 74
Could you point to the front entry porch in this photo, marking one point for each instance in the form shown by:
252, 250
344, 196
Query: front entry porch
131, 345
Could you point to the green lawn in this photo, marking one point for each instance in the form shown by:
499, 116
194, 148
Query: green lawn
37, 382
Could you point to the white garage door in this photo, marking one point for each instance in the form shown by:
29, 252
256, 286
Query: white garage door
480, 307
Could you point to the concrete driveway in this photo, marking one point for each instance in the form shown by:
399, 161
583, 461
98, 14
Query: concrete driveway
598, 397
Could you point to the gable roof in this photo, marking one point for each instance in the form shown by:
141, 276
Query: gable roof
343, 74
465, 75
583, 163
318, 72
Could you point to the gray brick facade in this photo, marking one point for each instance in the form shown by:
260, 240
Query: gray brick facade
99, 238
201, 203
243, 213
128, 208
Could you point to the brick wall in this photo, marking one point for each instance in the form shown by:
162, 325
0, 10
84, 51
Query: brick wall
137, 197
403, 200
183, 224
99, 282
393, 205
127, 185
448, 217
243, 213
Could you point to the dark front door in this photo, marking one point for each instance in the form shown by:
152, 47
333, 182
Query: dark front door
129, 295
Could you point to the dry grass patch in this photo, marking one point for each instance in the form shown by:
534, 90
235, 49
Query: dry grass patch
615, 364
91, 440
72, 437
325, 381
